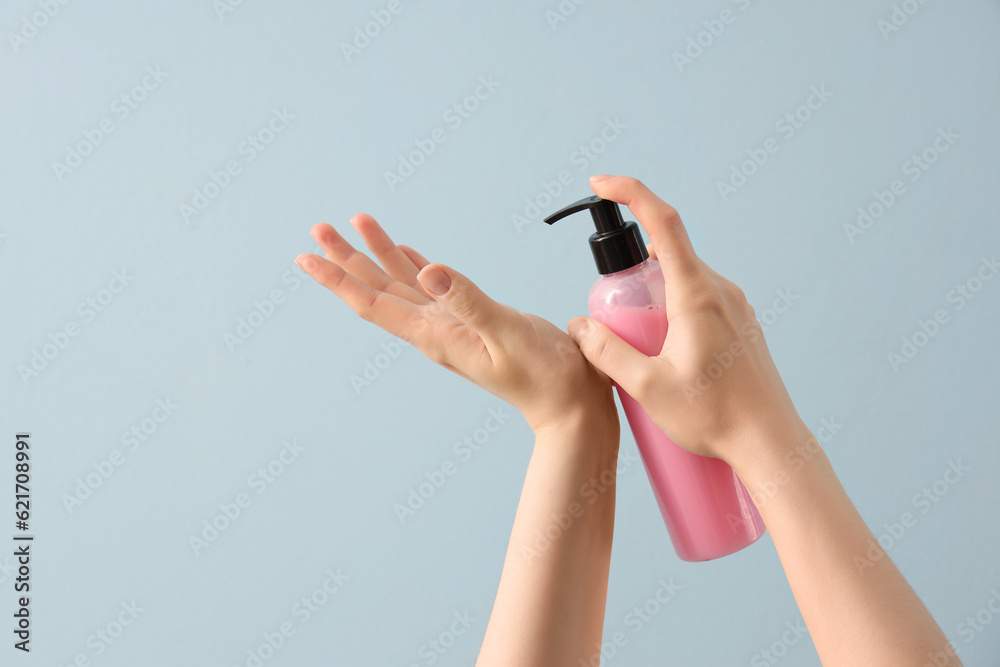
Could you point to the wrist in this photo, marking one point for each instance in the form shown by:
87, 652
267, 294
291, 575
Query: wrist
595, 417
590, 426
774, 451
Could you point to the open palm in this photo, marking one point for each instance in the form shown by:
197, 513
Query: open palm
521, 358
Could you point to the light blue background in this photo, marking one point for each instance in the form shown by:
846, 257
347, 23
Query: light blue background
163, 336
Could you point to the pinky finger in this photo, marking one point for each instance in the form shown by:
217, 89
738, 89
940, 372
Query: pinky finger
418, 260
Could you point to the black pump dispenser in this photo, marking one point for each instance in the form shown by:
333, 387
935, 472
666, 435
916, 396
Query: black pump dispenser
617, 245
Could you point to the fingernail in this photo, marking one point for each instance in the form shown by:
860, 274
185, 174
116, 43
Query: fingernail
304, 261
600, 177
578, 328
435, 280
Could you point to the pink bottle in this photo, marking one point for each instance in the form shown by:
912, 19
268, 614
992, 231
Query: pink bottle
707, 510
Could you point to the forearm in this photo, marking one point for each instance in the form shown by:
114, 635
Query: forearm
858, 607
549, 608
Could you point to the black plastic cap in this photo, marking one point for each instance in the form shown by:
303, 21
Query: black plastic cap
617, 245
619, 250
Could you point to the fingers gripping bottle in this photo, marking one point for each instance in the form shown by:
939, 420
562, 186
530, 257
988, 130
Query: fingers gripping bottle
708, 512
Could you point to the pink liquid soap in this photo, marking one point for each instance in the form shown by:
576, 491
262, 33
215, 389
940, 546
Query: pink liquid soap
707, 510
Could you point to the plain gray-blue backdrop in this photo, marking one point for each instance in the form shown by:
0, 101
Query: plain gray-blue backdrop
221, 448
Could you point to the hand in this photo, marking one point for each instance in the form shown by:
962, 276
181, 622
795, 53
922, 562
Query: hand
521, 358
715, 391
713, 388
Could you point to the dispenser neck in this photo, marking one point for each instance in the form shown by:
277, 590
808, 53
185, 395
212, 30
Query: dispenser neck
618, 250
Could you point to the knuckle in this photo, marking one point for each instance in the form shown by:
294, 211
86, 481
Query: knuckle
752, 329
463, 308
602, 353
736, 295
706, 298
670, 217
367, 310
599, 349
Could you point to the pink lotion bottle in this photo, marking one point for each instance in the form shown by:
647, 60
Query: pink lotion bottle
708, 512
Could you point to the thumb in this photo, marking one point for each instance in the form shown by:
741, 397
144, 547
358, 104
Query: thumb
607, 352
461, 297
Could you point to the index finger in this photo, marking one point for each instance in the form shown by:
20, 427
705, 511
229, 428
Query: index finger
661, 221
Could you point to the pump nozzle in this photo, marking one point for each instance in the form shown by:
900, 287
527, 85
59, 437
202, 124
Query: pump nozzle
617, 245
607, 216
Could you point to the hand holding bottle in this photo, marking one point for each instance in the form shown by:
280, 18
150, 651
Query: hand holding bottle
715, 391
713, 388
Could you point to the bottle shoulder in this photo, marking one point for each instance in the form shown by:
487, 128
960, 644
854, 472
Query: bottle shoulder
638, 286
